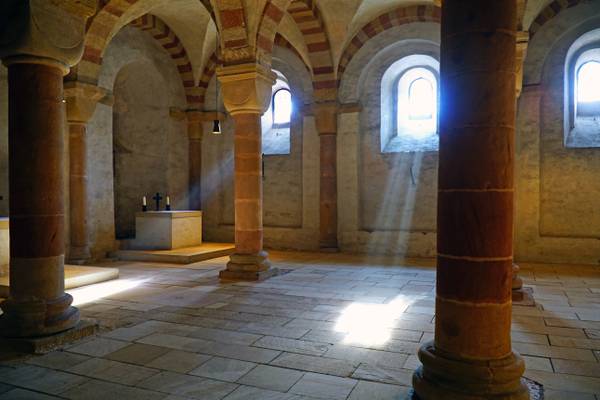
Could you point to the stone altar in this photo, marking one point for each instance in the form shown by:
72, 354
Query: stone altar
4, 247
167, 230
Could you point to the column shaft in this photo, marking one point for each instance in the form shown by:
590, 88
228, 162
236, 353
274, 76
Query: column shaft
471, 356
37, 304
328, 190
79, 250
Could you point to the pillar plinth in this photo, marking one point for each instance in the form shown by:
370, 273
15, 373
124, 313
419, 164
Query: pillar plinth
326, 123
246, 93
471, 356
37, 304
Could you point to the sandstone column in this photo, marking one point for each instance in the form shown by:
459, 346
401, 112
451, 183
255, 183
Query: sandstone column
326, 122
81, 104
471, 356
195, 134
246, 92
40, 43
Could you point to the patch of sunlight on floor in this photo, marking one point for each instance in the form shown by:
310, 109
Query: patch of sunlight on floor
88, 294
371, 324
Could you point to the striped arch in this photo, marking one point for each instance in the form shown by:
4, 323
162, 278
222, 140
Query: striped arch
171, 43
100, 30
207, 74
306, 14
551, 11
310, 22
283, 42
398, 17
232, 27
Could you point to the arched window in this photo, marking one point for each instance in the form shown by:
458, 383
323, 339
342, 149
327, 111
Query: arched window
282, 107
582, 92
276, 122
409, 105
417, 104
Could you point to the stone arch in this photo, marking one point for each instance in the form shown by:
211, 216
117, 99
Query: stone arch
171, 43
309, 20
231, 21
397, 17
551, 11
102, 27
284, 43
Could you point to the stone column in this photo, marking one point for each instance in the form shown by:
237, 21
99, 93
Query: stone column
326, 122
81, 104
195, 121
41, 42
246, 93
471, 356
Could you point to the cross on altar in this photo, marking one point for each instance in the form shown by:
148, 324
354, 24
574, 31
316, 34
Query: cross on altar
157, 198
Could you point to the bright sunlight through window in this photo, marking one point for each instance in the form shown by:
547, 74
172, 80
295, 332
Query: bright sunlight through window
417, 103
421, 100
588, 82
91, 293
282, 107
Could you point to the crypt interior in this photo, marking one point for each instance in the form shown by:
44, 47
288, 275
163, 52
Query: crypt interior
300, 199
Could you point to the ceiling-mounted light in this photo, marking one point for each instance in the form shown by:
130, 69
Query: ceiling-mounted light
216, 127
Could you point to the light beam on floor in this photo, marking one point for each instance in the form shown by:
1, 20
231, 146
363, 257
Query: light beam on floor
91, 293
371, 324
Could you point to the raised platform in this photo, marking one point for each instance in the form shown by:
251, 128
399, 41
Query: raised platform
188, 255
75, 276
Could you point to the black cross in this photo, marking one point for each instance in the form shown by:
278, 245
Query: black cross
157, 198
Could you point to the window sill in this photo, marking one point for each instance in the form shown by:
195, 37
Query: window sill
407, 144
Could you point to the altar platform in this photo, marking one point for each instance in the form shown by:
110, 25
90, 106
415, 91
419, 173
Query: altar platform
186, 255
75, 276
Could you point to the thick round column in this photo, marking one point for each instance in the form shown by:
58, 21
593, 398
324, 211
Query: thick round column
246, 90
79, 249
250, 261
37, 304
195, 132
471, 356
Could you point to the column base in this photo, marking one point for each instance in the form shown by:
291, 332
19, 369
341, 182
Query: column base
329, 249
517, 282
46, 344
248, 267
444, 378
79, 255
35, 318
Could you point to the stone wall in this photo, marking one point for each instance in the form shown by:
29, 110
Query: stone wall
150, 147
558, 213
389, 199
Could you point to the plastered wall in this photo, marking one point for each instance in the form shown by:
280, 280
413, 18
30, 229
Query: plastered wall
134, 147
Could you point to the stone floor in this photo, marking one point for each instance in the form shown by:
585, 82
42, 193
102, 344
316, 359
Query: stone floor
330, 327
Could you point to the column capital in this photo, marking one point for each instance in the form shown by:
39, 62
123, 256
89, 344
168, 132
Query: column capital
44, 32
326, 117
82, 99
246, 88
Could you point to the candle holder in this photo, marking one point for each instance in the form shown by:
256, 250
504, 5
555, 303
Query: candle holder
168, 207
144, 208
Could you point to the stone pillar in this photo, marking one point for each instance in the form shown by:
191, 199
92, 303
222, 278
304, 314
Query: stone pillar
246, 93
471, 356
81, 104
195, 133
42, 40
326, 122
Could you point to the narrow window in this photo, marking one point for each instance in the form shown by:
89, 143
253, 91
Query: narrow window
282, 107
588, 89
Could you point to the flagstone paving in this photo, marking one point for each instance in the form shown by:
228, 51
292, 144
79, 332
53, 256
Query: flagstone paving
331, 326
